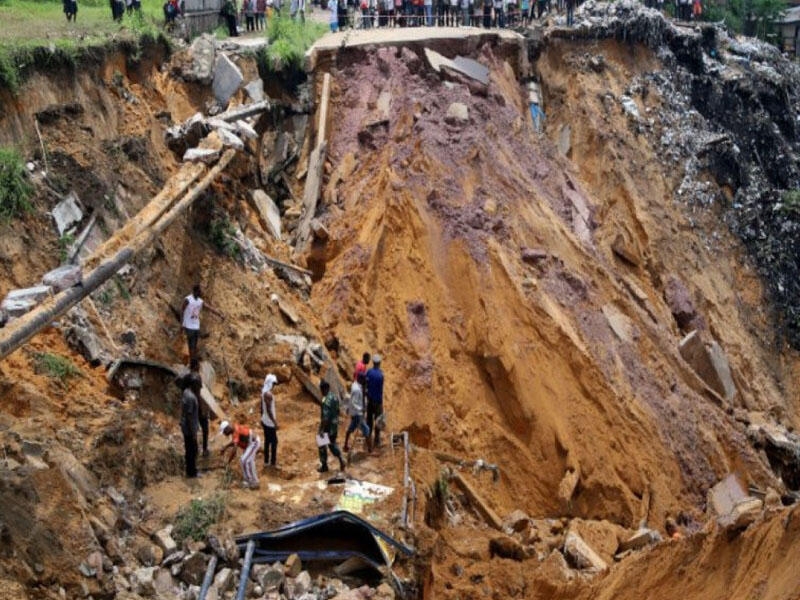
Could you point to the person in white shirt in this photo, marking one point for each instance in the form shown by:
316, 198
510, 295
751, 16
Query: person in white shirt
269, 422
356, 409
190, 320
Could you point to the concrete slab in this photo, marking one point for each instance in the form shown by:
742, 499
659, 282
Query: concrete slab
64, 277
725, 495
582, 555
255, 90
709, 363
269, 213
18, 302
227, 79
67, 213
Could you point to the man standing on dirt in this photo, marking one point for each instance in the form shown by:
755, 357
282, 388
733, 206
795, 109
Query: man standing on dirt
328, 425
203, 411
356, 410
374, 380
269, 422
189, 422
192, 305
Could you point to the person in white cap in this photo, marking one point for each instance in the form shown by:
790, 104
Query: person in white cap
269, 422
250, 444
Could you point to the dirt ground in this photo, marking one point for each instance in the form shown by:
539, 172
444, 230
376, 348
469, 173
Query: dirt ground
487, 356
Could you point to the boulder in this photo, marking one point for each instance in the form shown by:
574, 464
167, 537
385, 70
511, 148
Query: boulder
143, 581
680, 303
227, 79
200, 66
625, 250
602, 536
63, 277
268, 212
67, 213
271, 579
193, 568
725, 495
186, 135
224, 580
319, 230
743, 514
384, 592
149, 554
457, 114
581, 555
709, 363
163, 538
18, 302
300, 585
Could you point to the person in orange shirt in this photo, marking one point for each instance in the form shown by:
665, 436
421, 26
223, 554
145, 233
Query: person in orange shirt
245, 439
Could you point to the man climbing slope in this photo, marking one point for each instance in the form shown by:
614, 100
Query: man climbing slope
190, 311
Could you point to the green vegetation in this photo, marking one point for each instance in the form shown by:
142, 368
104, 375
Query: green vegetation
15, 188
36, 33
222, 234
64, 244
735, 15
289, 39
194, 520
123, 290
56, 367
791, 202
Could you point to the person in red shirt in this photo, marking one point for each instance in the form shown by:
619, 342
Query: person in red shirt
361, 366
245, 439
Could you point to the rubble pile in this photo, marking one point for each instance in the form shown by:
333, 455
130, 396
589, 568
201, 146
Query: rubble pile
729, 110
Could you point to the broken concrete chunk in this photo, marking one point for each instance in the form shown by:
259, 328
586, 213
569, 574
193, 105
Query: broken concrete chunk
709, 363
200, 67
743, 514
163, 538
204, 155
246, 130
457, 113
269, 213
230, 139
227, 79
643, 537
255, 90
67, 213
64, 277
581, 555
725, 495
319, 230
18, 302
186, 135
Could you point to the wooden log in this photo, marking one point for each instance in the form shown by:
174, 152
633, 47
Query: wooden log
483, 508
279, 263
21, 330
322, 126
248, 110
316, 162
308, 384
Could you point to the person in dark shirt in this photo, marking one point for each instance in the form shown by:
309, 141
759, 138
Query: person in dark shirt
190, 423
375, 399
329, 424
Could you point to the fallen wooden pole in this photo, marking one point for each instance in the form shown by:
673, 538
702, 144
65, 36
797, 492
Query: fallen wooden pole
285, 265
322, 127
316, 164
21, 330
242, 112
483, 508
145, 218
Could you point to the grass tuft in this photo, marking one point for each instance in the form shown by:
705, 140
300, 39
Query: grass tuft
288, 41
194, 520
56, 367
15, 187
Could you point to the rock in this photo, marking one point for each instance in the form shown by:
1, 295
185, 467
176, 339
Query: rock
709, 363
457, 114
533, 255
149, 554
204, 155
271, 578
83, 339
743, 514
725, 495
164, 583
86, 570
187, 135
679, 300
245, 130
506, 547
630, 107
516, 521
619, 323
143, 581
173, 558
18, 302
223, 580
230, 139
580, 555
268, 212
601, 536
555, 568
193, 569
384, 592
9, 464
772, 499
255, 90
319, 230
114, 551
95, 561
64, 277
300, 585
625, 250
643, 537
116, 497
81, 479
566, 488
227, 79
67, 213
200, 67
163, 538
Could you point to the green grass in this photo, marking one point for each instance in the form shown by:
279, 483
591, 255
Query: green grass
289, 39
64, 244
35, 32
15, 187
222, 234
56, 367
193, 521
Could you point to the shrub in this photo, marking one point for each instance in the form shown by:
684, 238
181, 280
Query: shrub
193, 521
15, 187
288, 41
56, 367
222, 234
